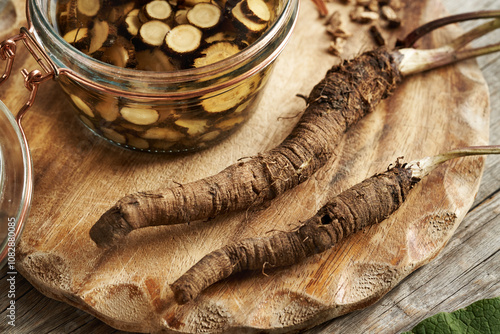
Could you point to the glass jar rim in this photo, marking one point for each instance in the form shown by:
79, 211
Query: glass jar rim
173, 77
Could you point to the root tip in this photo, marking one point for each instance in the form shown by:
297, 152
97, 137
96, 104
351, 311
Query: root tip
109, 229
181, 295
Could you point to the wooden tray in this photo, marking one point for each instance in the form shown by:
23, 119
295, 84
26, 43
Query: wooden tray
78, 176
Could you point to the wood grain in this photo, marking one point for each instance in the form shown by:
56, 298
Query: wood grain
298, 288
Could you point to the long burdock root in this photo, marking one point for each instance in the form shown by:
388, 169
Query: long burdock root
367, 203
346, 94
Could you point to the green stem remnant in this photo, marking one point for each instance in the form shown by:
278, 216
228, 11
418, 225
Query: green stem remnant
367, 203
347, 93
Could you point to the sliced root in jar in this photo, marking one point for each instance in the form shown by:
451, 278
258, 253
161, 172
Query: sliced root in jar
102, 34
256, 10
87, 122
167, 134
230, 123
132, 24
79, 38
204, 15
221, 36
210, 136
137, 142
216, 52
89, 7
154, 60
139, 116
121, 54
81, 105
152, 33
183, 39
108, 109
232, 97
244, 21
113, 135
157, 10
194, 127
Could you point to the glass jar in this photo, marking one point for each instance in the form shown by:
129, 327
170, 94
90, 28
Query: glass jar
153, 111
16, 184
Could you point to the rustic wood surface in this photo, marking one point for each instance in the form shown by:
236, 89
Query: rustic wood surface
73, 168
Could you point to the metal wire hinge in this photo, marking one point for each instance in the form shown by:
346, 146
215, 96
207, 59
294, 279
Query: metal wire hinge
32, 78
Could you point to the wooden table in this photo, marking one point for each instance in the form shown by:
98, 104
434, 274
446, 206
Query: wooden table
468, 268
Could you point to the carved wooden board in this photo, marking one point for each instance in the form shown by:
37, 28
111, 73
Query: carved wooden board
78, 176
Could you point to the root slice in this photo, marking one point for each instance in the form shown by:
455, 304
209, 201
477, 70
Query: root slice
183, 39
153, 33
157, 10
204, 15
256, 10
89, 7
245, 21
216, 52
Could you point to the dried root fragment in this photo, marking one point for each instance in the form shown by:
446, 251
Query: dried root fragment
377, 36
183, 39
396, 4
204, 16
393, 20
152, 33
360, 15
216, 52
336, 47
157, 10
373, 6
334, 27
